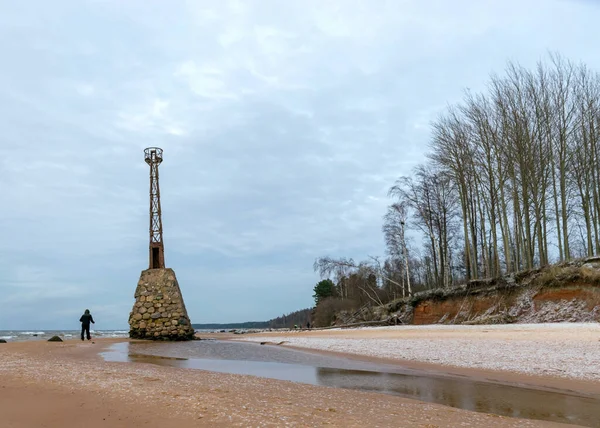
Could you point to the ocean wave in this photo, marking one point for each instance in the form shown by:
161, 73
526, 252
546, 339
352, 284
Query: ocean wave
66, 334
112, 334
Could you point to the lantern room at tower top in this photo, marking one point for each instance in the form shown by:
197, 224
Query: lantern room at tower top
153, 155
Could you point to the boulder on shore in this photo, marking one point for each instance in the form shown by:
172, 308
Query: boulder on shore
55, 339
2, 341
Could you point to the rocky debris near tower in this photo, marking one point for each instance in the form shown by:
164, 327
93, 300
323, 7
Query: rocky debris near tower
55, 339
159, 312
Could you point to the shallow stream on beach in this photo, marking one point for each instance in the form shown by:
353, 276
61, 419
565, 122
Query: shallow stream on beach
318, 369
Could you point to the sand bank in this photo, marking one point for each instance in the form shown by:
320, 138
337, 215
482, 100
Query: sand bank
68, 384
559, 350
564, 356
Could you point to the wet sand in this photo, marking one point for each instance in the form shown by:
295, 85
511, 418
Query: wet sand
546, 356
69, 384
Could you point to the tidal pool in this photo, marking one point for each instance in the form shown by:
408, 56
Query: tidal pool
317, 369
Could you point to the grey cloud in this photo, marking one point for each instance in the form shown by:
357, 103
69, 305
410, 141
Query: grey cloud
283, 125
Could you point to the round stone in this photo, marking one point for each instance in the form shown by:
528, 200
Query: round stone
137, 317
151, 310
142, 310
146, 316
142, 325
155, 315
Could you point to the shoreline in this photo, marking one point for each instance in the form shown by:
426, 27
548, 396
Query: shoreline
77, 385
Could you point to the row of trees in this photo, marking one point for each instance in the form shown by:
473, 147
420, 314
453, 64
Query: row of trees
299, 318
511, 182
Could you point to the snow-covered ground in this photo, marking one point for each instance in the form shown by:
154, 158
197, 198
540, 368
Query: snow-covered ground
570, 350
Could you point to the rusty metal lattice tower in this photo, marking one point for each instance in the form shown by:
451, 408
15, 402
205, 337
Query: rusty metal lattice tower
153, 157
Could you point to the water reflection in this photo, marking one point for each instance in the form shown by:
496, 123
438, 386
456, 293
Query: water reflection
471, 395
304, 367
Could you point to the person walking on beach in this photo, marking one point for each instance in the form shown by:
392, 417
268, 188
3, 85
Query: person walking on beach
85, 320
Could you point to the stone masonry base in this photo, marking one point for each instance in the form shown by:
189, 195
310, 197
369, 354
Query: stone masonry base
159, 311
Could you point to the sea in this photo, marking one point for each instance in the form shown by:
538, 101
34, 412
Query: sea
27, 335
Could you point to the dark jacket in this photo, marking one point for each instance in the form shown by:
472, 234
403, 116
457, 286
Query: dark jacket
86, 319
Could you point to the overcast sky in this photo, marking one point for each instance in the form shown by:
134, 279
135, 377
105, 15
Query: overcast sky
283, 124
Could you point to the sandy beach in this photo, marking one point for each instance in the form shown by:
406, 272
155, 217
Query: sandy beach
68, 384
558, 355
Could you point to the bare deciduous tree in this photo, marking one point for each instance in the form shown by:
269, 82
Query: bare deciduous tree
512, 182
